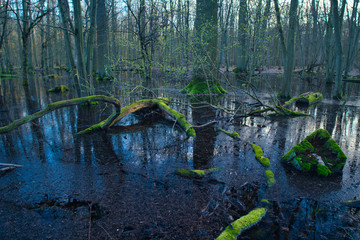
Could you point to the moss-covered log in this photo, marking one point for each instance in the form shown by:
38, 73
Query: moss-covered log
243, 223
67, 103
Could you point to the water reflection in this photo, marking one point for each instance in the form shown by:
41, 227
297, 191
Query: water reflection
204, 144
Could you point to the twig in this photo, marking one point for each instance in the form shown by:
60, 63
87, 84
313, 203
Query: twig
104, 230
90, 207
6, 169
10, 165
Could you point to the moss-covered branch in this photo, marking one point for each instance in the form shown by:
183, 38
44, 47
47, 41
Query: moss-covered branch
67, 103
234, 134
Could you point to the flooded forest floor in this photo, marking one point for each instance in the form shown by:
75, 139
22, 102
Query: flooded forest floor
120, 184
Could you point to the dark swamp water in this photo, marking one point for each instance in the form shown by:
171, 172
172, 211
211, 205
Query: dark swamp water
120, 184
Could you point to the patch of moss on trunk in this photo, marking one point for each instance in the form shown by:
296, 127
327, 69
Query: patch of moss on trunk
202, 86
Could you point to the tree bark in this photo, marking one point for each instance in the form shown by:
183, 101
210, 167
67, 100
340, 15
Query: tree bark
101, 39
205, 50
288, 50
242, 37
338, 50
79, 41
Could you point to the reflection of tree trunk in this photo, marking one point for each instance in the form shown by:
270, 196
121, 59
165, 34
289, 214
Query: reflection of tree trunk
204, 143
38, 136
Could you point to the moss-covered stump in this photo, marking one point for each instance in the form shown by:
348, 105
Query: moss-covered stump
195, 173
259, 155
59, 89
200, 86
234, 134
306, 98
241, 224
316, 153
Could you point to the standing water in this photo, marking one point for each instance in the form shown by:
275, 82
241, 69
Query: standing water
121, 184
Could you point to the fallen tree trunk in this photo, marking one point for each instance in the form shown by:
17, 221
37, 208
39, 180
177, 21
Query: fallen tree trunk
115, 117
66, 103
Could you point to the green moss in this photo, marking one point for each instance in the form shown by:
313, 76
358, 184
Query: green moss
59, 89
241, 224
234, 134
320, 134
259, 155
265, 202
333, 147
90, 103
195, 173
318, 146
180, 118
270, 176
201, 86
308, 97
323, 170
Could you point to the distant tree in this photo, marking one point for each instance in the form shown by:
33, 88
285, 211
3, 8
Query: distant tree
288, 49
26, 23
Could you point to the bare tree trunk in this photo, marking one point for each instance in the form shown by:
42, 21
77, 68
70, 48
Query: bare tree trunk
68, 27
338, 50
354, 33
79, 41
242, 36
101, 39
225, 35
288, 50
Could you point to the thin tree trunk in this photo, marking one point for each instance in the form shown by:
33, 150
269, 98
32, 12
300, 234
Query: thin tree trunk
79, 41
242, 37
101, 39
338, 50
288, 50
64, 11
